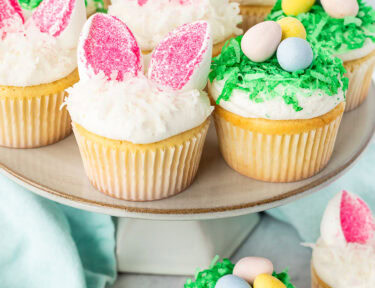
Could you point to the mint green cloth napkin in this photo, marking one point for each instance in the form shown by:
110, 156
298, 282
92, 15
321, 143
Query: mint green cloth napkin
44, 244
305, 214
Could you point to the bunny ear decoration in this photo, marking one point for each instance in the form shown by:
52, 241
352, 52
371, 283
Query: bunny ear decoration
357, 222
62, 19
10, 14
107, 45
347, 219
182, 60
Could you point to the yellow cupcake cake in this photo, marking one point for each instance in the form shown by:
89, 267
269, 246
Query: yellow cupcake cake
151, 21
276, 116
37, 64
345, 29
141, 137
254, 11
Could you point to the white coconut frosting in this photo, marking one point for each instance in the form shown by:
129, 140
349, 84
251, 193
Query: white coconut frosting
355, 54
315, 105
29, 57
135, 110
153, 20
351, 265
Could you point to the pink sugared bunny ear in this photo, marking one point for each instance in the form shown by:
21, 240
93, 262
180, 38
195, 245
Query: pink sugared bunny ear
182, 60
107, 45
10, 14
62, 19
357, 222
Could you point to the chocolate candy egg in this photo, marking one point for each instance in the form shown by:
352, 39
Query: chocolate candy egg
250, 267
267, 281
295, 7
294, 54
340, 8
231, 281
292, 27
260, 42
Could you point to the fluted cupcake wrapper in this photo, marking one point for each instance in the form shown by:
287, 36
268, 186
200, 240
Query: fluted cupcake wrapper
316, 282
33, 122
253, 15
359, 73
276, 157
142, 172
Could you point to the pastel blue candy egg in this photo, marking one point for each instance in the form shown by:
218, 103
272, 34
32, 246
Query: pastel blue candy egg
294, 54
231, 281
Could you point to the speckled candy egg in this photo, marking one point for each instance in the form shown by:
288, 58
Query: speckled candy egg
294, 54
267, 281
260, 42
250, 267
231, 281
340, 8
292, 27
295, 7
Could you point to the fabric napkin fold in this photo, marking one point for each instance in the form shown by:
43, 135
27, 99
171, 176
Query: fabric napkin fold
305, 214
44, 244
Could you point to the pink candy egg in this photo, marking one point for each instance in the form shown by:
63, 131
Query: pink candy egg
249, 268
260, 42
340, 8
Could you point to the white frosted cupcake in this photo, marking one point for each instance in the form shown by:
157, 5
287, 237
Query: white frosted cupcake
279, 104
151, 20
344, 255
141, 137
37, 63
346, 31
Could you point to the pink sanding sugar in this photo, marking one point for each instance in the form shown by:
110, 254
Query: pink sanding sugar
10, 13
175, 59
53, 16
357, 222
110, 47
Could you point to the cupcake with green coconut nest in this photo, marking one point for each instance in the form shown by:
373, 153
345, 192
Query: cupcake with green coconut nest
257, 272
277, 114
347, 31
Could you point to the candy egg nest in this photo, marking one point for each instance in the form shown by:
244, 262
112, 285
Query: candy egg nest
336, 35
260, 80
209, 277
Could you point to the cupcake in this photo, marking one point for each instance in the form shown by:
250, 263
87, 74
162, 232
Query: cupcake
151, 20
248, 272
344, 255
346, 29
93, 6
276, 116
254, 11
141, 137
37, 64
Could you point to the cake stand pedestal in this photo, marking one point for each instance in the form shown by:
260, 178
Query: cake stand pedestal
178, 247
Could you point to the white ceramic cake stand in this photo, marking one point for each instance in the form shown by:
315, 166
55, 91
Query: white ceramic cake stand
56, 172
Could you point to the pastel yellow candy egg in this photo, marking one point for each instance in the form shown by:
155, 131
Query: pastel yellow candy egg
295, 7
267, 281
292, 27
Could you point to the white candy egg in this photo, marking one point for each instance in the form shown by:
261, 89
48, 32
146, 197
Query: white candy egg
260, 42
340, 8
249, 268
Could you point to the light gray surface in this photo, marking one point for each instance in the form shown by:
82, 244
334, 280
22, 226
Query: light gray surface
272, 239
